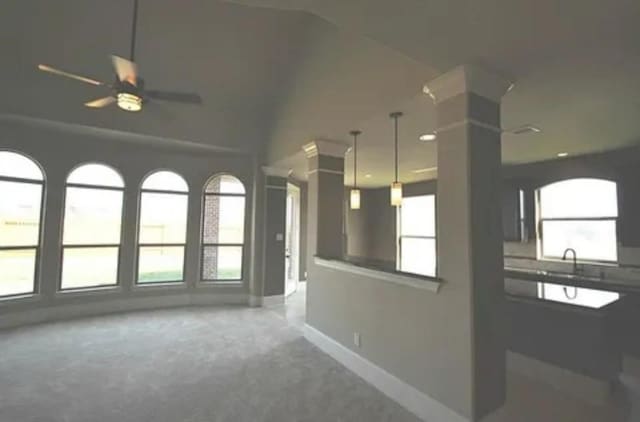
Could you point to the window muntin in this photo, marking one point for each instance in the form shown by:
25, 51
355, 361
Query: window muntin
92, 227
223, 229
580, 214
417, 235
162, 234
22, 192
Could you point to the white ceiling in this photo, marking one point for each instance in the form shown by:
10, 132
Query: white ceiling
298, 70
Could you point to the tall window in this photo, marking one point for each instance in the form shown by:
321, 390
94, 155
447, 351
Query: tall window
21, 192
223, 229
579, 214
92, 227
417, 235
164, 199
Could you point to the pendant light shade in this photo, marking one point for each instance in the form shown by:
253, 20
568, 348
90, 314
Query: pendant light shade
396, 186
354, 198
396, 194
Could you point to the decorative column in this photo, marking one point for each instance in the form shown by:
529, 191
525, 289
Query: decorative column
273, 285
470, 240
325, 161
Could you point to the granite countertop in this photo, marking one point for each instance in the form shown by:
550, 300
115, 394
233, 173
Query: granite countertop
577, 280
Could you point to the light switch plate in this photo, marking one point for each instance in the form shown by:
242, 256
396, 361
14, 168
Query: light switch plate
356, 339
279, 237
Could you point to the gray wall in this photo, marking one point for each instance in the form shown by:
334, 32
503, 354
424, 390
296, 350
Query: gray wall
274, 229
58, 151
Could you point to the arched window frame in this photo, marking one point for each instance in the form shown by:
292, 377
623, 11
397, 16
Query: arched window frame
204, 245
541, 220
141, 245
118, 245
38, 247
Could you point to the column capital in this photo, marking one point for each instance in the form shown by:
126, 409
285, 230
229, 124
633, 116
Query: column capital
324, 147
276, 171
468, 78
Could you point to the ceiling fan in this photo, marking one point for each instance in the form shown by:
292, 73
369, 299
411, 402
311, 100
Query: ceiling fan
128, 90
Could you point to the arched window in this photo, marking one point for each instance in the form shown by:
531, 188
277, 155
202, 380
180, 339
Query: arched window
223, 229
162, 235
580, 214
21, 193
92, 227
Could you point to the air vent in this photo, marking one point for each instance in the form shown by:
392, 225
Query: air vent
521, 130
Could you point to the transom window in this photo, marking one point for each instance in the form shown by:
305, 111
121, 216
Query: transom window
164, 199
223, 229
416, 230
21, 193
92, 227
580, 214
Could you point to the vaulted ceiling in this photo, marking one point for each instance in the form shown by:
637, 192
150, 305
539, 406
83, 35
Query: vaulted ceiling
278, 73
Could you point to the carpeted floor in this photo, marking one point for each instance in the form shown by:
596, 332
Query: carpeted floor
196, 364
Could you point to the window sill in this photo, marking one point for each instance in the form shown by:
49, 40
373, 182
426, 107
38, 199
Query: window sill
23, 298
232, 283
431, 284
609, 264
89, 291
160, 285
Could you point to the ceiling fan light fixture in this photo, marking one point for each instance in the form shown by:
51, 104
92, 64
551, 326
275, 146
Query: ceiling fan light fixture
129, 102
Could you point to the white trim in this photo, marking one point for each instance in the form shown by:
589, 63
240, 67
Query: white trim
468, 78
276, 187
404, 394
276, 171
338, 172
425, 283
466, 122
100, 307
323, 147
271, 301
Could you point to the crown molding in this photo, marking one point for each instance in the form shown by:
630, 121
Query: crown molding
323, 147
465, 79
276, 171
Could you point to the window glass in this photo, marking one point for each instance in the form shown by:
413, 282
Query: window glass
96, 175
580, 214
163, 218
21, 192
92, 227
18, 166
417, 235
225, 184
166, 181
92, 216
223, 229
591, 239
164, 203
579, 198
19, 213
160, 264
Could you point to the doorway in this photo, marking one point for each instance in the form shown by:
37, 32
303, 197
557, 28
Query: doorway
292, 240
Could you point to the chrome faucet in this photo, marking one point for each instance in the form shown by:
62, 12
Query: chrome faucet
575, 258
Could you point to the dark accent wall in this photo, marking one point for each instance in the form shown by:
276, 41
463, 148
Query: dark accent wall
275, 221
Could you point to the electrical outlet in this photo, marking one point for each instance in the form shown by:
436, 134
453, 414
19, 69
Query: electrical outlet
356, 339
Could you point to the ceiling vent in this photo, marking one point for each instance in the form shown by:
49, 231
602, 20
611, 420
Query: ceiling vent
522, 130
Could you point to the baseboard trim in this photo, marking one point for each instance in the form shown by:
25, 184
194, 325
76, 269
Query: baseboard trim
270, 301
103, 307
404, 394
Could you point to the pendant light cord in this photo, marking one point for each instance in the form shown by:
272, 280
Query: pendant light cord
134, 28
395, 116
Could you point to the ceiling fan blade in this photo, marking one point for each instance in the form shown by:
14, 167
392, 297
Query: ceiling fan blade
59, 72
126, 70
100, 102
177, 97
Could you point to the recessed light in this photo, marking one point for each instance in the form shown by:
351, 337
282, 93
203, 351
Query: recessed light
368, 176
427, 137
563, 154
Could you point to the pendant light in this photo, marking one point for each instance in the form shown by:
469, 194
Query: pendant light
396, 186
355, 192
